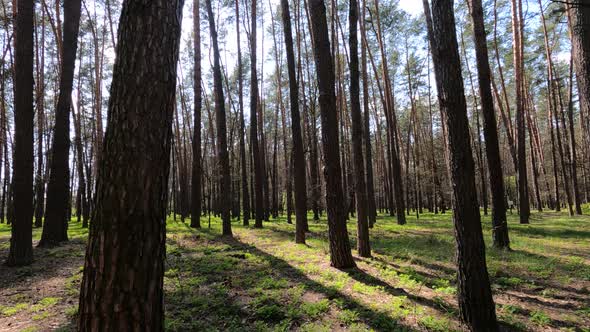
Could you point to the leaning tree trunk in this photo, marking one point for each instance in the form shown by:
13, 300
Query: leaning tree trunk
476, 305
298, 157
490, 129
122, 287
340, 253
21, 242
196, 191
55, 229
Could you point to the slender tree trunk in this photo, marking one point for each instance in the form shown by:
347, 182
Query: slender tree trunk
21, 242
244, 168
220, 121
55, 229
490, 129
371, 206
363, 244
340, 253
298, 157
476, 305
258, 171
197, 170
523, 193
40, 103
122, 286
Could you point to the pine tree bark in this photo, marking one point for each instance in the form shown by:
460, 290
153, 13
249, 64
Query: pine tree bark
122, 286
221, 126
340, 253
197, 170
55, 229
298, 157
21, 241
476, 305
363, 244
490, 129
579, 19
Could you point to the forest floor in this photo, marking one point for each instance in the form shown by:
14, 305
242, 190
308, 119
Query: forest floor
262, 281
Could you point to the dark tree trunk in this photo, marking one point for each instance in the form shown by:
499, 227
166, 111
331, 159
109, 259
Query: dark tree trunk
196, 191
122, 287
222, 154
244, 165
476, 305
40, 105
490, 129
340, 253
579, 17
298, 157
21, 242
371, 208
258, 172
363, 244
55, 229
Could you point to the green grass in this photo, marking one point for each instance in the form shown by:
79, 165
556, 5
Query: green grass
263, 281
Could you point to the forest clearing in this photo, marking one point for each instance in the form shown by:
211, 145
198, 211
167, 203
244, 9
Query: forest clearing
295, 165
261, 281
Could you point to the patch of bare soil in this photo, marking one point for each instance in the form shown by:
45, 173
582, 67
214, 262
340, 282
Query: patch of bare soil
43, 296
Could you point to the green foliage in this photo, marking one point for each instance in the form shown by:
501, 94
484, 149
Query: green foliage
540, 318
315, 309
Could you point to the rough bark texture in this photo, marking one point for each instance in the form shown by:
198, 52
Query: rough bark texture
363, 245
221, 126
476, 305
490, 129
580, 27
196, 176
122, 287
298, 157
340, 253
55, 229
21, 242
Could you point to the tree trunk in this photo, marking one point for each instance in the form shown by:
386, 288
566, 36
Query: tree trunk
340, 253
21, 242
220, 124
476, 305
55, 229
579, 19
197, 170
523, 192
258, 172
363, 244
244, 165
490, 129
40, 104
298, 157
122, 287
371, 206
